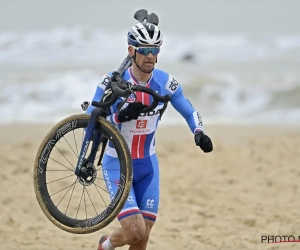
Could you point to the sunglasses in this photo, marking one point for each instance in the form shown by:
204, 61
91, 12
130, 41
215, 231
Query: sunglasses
146, 50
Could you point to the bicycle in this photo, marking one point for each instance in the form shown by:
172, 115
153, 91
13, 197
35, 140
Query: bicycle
98, 134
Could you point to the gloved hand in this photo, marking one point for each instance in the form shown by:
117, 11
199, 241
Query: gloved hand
204, 142
131, 112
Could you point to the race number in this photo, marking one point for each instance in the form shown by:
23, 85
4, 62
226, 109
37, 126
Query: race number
172, 84
103, 81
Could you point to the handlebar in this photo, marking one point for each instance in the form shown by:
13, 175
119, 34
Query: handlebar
117, 87
125, 88
156, 97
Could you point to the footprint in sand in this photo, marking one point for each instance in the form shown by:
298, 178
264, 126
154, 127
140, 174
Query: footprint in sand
10, 222
7, 201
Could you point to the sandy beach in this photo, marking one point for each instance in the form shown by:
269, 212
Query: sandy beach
247, 187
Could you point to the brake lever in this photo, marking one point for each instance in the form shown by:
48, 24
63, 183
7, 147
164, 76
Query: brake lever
120, 105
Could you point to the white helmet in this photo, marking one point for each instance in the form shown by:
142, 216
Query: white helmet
145, 33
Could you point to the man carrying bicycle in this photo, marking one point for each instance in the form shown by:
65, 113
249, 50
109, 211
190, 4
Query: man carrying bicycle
139, 213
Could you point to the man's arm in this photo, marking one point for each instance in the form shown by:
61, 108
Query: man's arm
192, 116
183, 106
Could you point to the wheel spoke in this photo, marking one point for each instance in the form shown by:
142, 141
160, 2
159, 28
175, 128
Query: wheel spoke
113, 182
84, 201
100, 193
60, 179
105, 164
60, 164
70, 146
64, 157
80, 201
63, 189
70, 197
101, 188
91, 200
75, 142
51, 170
66, 193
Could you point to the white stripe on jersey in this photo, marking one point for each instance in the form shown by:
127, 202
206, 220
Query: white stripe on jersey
198, 120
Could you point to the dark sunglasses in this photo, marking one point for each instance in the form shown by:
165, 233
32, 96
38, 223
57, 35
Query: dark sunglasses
146, 50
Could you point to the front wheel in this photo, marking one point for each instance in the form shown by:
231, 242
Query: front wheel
80, 204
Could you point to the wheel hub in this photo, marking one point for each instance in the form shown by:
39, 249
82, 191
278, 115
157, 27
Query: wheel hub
87, 175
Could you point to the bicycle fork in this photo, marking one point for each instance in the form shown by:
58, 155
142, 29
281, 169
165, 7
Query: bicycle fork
93, 134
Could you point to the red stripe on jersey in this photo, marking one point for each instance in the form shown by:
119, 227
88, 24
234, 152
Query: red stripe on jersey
141, 147
139, 96
134, 146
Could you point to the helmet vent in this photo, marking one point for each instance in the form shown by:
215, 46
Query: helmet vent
151, 34
142, 34
158, 35
132, 37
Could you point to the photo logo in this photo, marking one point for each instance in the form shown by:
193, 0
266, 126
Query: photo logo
270, 239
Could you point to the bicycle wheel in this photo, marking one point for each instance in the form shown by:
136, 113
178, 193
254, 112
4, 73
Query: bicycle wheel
61, 193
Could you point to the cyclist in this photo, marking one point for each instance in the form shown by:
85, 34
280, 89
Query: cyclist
139, 213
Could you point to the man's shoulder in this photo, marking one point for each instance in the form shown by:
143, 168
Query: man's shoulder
160, 73
168, 81
104, 80
161, 77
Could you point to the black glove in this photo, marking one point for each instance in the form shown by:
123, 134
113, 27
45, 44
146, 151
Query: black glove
204, 142
131, 112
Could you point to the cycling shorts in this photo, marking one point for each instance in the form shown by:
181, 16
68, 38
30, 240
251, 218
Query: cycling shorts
144, 194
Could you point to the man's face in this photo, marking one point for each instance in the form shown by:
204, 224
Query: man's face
145, 62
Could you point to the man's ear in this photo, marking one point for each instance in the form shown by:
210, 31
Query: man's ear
130, 51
